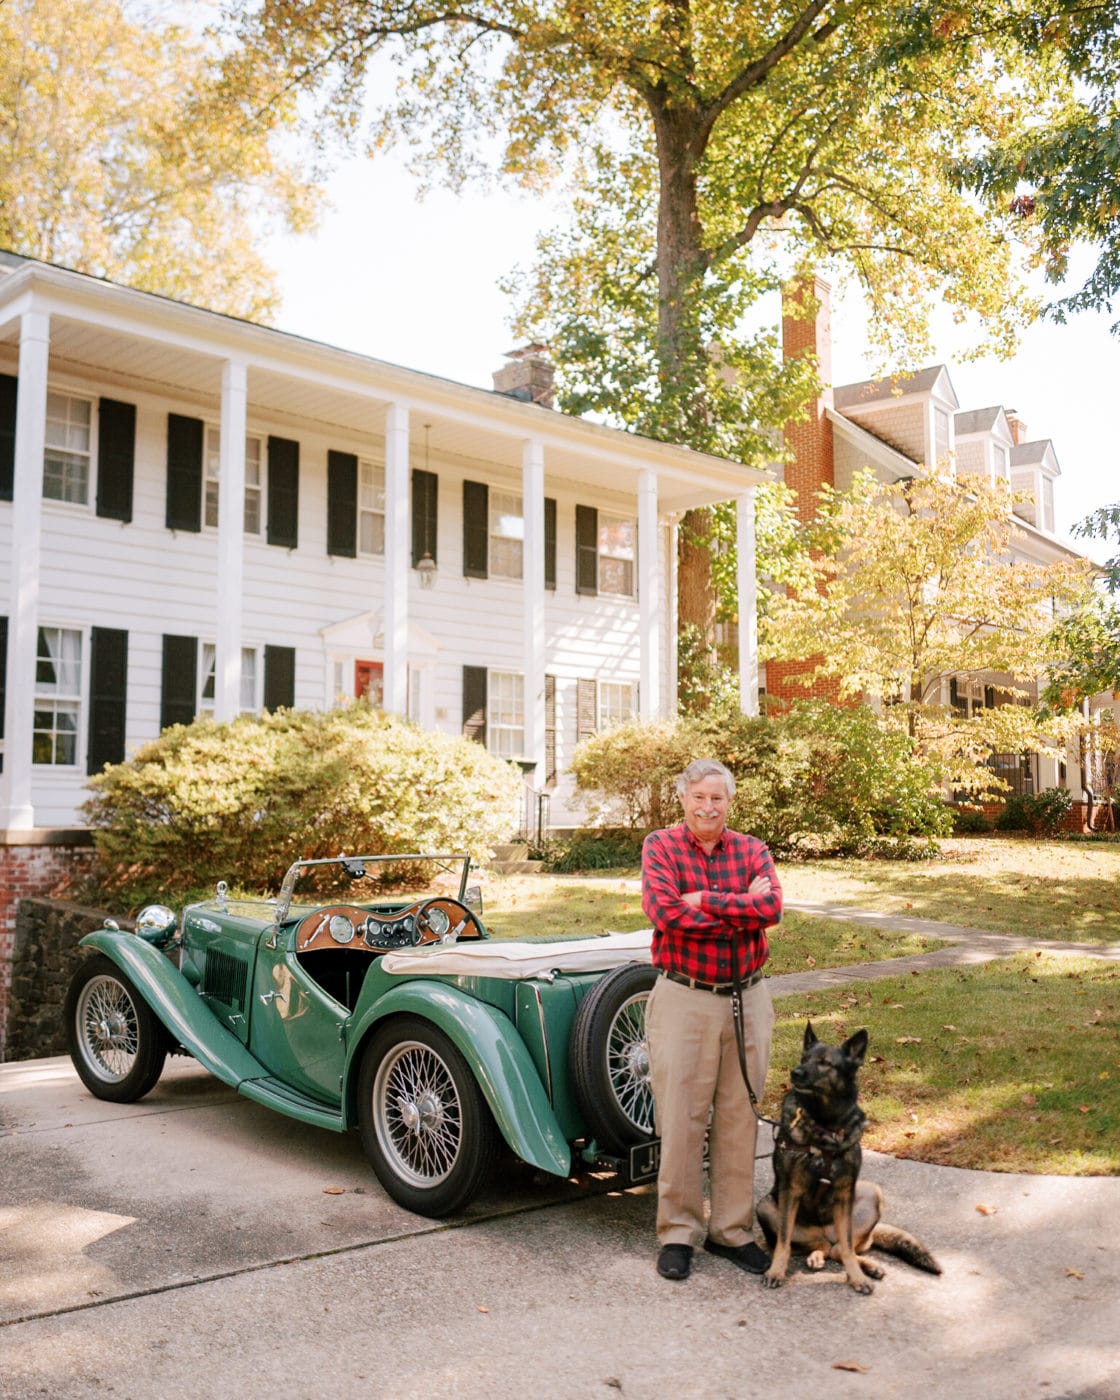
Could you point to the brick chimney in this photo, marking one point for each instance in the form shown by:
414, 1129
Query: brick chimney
1017, 426
806, 332
527, 375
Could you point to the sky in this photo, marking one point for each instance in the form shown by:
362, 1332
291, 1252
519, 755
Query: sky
415, 282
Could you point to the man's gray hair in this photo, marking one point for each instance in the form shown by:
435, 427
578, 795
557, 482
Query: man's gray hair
701, 768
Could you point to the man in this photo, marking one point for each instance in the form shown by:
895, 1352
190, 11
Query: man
710, 894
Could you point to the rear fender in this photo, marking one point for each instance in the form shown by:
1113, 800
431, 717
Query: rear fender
177, 1005
497, 1056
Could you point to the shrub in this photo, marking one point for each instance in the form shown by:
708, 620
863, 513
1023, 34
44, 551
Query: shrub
816, 779
599, 848
969, 821
1040, 813
241, 801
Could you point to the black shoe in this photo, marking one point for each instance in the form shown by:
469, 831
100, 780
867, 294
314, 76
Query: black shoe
674, 1261
745, 1256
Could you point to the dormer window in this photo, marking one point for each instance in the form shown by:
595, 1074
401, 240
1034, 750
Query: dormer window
1001, 462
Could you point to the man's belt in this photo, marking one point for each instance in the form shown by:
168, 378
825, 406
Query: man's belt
721, 989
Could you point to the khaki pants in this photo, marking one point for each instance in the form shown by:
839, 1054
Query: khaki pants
694, 1066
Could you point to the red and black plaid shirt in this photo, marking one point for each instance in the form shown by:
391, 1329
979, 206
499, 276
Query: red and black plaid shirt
700, 942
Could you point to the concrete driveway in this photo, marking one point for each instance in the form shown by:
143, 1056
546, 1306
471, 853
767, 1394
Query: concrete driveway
196, 1245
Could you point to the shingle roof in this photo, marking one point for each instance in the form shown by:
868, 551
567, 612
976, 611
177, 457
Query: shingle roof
976, 420
1027, 454
848, 396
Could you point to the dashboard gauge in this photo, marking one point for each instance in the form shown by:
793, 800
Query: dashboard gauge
437, 920
340, 928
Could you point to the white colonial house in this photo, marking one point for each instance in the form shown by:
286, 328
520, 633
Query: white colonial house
202, 514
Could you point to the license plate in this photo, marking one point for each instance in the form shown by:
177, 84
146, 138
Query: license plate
645, 1159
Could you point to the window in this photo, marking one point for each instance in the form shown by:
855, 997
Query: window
940, 434
1001, 460
66, 460
1047, 521
248, 694
505, 714
58, 696
371, 508
616, 703
617, 536
253, 480
507, 534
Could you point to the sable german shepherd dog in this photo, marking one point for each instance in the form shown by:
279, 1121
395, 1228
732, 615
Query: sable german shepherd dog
817, 1202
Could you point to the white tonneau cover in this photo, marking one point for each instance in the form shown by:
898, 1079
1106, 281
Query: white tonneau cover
518, 961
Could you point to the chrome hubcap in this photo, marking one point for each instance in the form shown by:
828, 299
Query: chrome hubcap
417, 1114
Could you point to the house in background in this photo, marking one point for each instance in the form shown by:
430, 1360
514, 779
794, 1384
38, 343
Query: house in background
897, 428
198, 514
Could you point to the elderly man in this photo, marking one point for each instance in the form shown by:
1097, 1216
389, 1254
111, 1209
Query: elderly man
710, 894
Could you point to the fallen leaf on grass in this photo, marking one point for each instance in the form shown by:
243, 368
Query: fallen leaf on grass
1084, 1108
850, 1366
334, 1190
908, 1040
987, 1210
948, 1028
1073, 1273
1030, 1100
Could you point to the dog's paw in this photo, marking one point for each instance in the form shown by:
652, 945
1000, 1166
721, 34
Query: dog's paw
862, 1285
773, 1280
872, 1270
817, 1259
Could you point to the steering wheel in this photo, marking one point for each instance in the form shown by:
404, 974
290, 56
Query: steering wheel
432, 918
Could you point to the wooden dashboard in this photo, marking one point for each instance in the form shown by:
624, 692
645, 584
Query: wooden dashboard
348, 926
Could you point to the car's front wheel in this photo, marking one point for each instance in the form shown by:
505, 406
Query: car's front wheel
117, 1044
425, 1126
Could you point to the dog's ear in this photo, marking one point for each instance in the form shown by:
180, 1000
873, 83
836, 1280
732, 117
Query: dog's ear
810, 1039
855, 1047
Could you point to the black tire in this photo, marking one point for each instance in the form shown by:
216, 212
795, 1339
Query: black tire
425, 1126
609, 1058
115, 1040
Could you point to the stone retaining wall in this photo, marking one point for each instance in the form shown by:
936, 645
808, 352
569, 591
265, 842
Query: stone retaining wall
44, 956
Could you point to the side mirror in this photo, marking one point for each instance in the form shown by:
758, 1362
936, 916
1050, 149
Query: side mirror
351, 868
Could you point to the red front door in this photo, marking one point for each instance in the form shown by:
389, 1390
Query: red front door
369, 683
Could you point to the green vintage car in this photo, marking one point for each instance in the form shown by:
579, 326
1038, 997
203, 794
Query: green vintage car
389, 1013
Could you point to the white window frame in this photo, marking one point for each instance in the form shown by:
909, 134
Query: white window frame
58, 698
67, 450
1001, 461
505, 713
250, 683
253, 517
371, 508
506, 534
615, 703
610, 555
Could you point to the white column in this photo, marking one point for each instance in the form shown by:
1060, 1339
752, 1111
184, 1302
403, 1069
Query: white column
398, 546
651, 613
532, 507
16, 809
746, 585
231, 541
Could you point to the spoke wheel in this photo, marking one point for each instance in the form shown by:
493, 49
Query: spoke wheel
425, 1126
610, 1058
117, 1045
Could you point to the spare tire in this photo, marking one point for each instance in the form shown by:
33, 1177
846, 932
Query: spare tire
609, 1058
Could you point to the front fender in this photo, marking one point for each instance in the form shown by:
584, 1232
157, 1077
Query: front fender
172, 998
495, 1052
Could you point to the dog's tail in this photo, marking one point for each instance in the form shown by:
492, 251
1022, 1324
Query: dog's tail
896, 1241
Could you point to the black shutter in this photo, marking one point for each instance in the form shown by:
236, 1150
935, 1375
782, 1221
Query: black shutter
476, 529
549, 542
116, 454
3, 679
179, 682
8, 384
108, 690
549, 730
474, 703
587, 550
425, 494
342, 505
184, 473
989, 697
283, 492
279, 677
585, 709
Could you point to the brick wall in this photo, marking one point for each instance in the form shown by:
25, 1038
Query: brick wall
31, 864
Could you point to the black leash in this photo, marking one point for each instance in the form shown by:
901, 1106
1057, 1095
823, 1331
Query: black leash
740, 1045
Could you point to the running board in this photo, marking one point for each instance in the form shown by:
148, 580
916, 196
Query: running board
273, 1094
